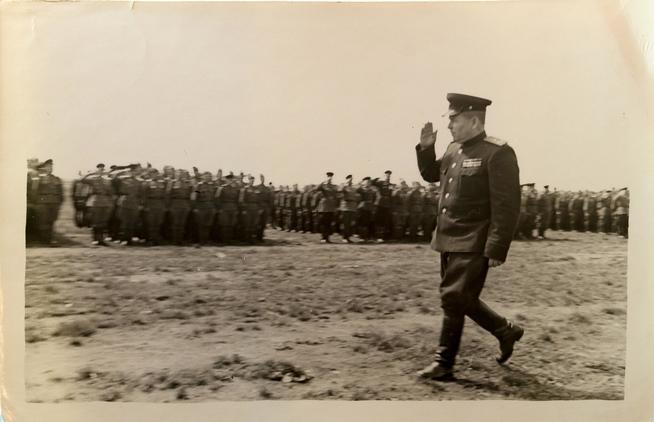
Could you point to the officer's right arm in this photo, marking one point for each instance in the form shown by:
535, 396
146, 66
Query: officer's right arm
428, 165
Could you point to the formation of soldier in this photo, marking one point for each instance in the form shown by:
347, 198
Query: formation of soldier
583, 211
136, 204
374, 210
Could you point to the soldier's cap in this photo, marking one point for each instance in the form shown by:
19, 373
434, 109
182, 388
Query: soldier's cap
229, 176
45, 163
546, 186
349, 176
330, 174
366, 178
388, 172
461, 102
101, 165
531, 185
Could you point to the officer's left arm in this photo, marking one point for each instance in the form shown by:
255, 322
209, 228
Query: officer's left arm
504, 193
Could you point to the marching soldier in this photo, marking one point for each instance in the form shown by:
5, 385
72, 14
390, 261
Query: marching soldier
577, 212
100, 202
47, 196
327, 207
479, 208
348, 207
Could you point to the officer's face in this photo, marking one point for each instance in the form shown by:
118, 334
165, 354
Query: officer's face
461, 127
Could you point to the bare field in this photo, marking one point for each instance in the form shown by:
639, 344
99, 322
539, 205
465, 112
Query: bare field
293, 319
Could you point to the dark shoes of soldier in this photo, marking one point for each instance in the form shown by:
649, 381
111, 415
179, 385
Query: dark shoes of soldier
436, 371
508, 336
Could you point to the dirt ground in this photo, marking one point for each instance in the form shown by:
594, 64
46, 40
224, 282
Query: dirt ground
294, 319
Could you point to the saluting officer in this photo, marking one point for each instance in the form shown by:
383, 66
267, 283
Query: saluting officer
478, 214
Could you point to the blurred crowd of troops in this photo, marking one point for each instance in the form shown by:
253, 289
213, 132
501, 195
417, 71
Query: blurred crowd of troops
583, 211
134, 204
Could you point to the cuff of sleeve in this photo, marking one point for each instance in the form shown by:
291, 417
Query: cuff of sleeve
495, 251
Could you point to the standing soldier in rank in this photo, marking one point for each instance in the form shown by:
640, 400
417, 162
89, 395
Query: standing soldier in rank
129, 202
416, 206
327, 206
47, 195
154, 205
248, 209
365, 209
400, 210
383, 216
348, 207
204, 207
544, 211
478, 214
266, 204
590, 212
307, 209
100, 203
430, 211
227, 207
621, 213
178, 193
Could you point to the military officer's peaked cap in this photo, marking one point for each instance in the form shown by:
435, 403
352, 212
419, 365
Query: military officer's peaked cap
388, 172
45, 163
330, 174
461, 102
349, 176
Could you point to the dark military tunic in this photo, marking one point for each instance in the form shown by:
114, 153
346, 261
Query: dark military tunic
479, 198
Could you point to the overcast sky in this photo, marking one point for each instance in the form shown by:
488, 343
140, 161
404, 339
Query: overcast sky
294, 90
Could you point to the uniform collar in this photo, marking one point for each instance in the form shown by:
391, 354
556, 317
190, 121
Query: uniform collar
474, 139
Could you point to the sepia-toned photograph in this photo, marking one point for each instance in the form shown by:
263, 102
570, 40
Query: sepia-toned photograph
338, 202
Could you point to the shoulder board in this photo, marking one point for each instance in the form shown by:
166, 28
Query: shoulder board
495, 141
